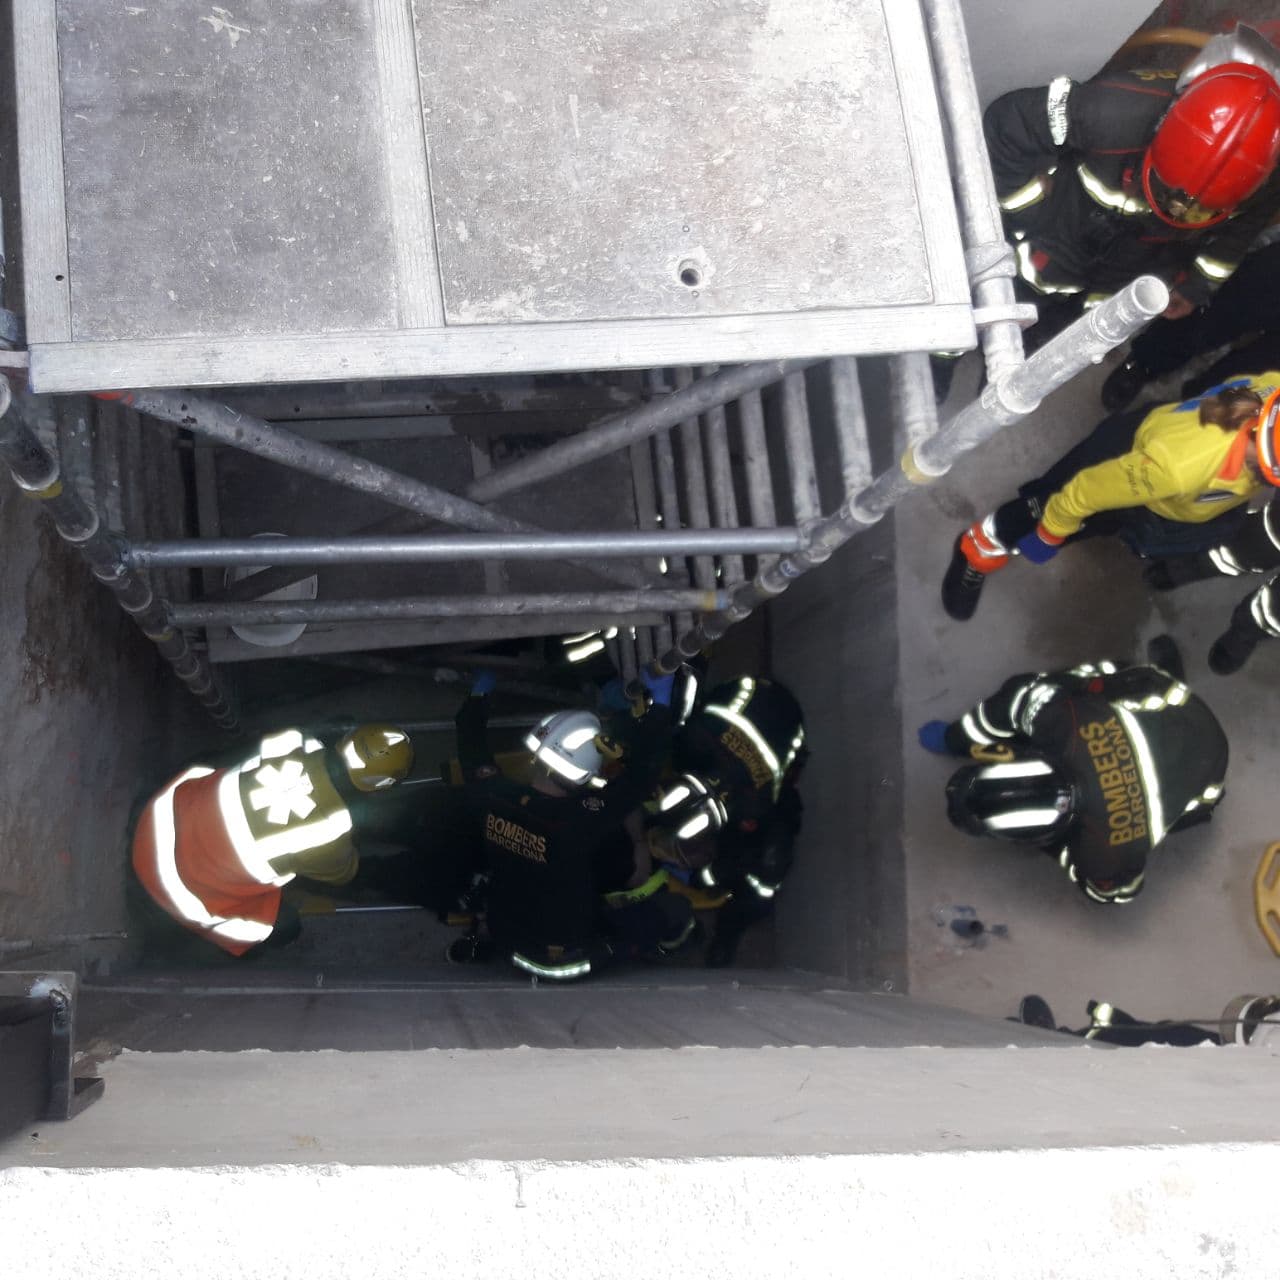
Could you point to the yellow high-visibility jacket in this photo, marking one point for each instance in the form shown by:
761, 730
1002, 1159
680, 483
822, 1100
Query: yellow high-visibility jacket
1177, 468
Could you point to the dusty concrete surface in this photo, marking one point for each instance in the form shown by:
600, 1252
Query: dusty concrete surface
90, 713
1189, 942
436, 1106
1198, 1213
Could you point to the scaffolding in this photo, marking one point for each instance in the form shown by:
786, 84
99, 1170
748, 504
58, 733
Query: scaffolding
699, 445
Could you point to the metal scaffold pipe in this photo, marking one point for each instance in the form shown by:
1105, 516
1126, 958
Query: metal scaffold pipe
37, 474
218, 422
447, 548
635, 424
1017, 394
605, 603
987, 255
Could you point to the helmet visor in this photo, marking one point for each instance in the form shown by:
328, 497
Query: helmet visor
1022, 800
1175, 206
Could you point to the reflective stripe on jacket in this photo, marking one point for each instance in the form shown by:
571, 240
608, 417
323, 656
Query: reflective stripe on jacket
214, 847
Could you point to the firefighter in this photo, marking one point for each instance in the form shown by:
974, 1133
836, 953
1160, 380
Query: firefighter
1246, 1020
732, 868
1138, 171
1096, 765
215, 847
727, 822
1171, 481
552, 845
1248, 303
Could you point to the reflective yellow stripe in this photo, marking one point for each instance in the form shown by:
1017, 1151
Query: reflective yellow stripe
1214, 268
1109, 197
186, 904
1027, 270
625, 897
1024, 197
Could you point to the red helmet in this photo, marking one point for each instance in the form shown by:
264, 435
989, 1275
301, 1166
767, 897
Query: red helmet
1217, 144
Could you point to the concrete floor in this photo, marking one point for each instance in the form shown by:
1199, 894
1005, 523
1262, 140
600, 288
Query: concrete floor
1189, 942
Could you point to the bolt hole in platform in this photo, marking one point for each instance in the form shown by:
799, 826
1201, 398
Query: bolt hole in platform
690, 274
59, 279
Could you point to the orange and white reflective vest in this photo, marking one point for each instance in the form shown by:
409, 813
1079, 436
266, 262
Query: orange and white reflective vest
215, 846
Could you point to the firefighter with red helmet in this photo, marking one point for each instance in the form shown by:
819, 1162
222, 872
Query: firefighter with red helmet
1143, 171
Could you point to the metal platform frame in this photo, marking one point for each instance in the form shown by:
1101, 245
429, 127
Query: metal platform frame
682, 578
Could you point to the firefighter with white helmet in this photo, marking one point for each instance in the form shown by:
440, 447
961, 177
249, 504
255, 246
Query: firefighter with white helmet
551, 845
215, 847
1095, 765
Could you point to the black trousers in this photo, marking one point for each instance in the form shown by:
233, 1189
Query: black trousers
1248, 302
1142, 531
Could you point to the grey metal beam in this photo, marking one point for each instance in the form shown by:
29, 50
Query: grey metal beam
664, 468
724, 502
853, 444
915, 410
475, 606
449, 547
219, 422
697, 504
1017, 394
805, 503
635, 424
987, 255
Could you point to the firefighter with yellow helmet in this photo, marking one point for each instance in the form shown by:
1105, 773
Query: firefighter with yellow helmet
215, 847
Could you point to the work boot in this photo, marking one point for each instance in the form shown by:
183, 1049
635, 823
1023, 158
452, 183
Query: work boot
1177, 571
1232, 649
1123, 384
1034, 1011
1163, 652
961, 586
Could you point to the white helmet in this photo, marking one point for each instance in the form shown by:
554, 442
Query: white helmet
569, 744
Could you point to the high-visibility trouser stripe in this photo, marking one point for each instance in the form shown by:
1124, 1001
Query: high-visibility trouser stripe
1216, 269
1263, 608
185, 903
1225, 562
1271, 523
982, 548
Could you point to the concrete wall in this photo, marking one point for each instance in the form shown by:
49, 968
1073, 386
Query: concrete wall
772, 1162
1016, 43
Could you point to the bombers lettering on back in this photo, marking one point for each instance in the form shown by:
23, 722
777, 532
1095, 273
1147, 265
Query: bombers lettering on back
515, 838
1117, 772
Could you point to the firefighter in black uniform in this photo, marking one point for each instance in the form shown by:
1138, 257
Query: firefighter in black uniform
1135, 172
552, 847
1096, 765
731, 815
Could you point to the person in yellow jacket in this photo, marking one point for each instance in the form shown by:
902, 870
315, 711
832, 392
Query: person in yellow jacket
1171, 480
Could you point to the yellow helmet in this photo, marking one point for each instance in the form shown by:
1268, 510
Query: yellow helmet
376, 756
